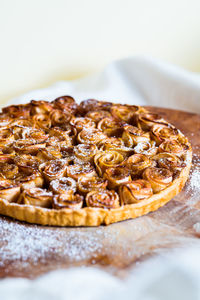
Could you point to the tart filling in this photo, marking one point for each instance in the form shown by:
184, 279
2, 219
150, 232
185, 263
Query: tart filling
94, 163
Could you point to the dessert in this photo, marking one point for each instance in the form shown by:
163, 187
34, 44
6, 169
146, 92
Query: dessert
65, 164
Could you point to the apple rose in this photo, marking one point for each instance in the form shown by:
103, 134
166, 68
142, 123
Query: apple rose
27, 146
137, 163
41, 121
173, 147
90, 136
59, 118
8, 190
86, 184
116, 176
77, 170
67, 153
147, 120
132, 136
110, 127
161, 133
98, 115
64, 186
85, 152
37, 135
82, 123
54, 169
147, 148
7, 157
135, 191
36, 197
5, 120
25, 160
159, 178
65, 104
60, 135
20, 124
21, 128
8, 171
114, 144
110, 142
125, 112
28, 178
6, 137
169, 161
68, 201
40, 107
49, 153
17, 111
102, 199
108, 159
92, 104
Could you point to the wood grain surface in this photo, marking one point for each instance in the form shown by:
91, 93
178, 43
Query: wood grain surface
29, 250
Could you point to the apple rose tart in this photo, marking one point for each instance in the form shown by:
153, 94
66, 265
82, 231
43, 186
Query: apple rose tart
87, 164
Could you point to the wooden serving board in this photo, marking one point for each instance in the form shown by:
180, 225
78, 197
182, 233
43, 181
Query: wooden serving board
30, 250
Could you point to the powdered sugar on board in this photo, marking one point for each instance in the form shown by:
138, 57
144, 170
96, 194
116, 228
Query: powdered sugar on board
29, 250
193, 185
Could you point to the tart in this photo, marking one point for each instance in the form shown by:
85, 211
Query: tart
87, 164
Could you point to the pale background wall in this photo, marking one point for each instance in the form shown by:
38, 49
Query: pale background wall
42, 41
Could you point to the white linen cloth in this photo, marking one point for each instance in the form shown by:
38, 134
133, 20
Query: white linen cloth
137, 80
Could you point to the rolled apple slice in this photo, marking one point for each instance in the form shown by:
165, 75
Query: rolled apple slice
137, 163
54, 169
132, 136
41, 121
86, 184
25, 160
60, 135
17, 111
6, 137
110, 127
82, 123
148, 148
135, 191
65, 104
72, 201
59, 118
5, 120
107, 159
29, 178
125, 112
147, 120
173, 147
92, 104
8, 170
77, 170
102, 199
110, 142
63, 186
36, 197
90, 136
9, 190
159, 178
85, 152
98, 115
49, 153
117, 176
169, 161
40, 107
27, 146
161, 133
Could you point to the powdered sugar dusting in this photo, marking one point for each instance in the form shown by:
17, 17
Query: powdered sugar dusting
193, 186
26, 245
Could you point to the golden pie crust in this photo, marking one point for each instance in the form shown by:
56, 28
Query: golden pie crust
64, 164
